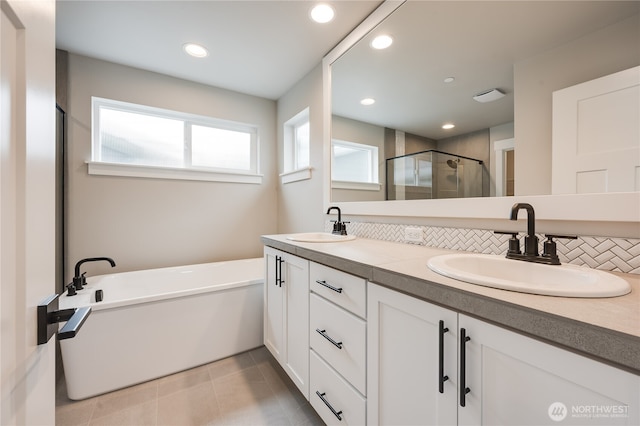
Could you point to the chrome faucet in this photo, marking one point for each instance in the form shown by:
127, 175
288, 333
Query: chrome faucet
339, 227
79, 280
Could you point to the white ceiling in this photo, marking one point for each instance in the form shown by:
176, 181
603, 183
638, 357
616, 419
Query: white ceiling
477, 42
260, 48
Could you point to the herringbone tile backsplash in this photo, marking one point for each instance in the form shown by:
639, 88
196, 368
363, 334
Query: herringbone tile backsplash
605, 253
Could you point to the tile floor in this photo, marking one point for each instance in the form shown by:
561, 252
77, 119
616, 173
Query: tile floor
246, 389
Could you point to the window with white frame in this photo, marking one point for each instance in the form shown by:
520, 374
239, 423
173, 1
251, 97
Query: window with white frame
355, 164
297, 148
137, 140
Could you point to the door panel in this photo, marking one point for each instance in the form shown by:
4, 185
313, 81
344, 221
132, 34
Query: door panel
27, 221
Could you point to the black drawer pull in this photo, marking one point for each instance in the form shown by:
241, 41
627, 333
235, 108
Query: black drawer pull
441, 375
324, 283
324, 334
333, 410
464, 390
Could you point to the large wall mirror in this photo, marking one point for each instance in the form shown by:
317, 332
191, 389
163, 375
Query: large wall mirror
487, 68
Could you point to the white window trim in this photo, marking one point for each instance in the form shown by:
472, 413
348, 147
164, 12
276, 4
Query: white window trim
296, 175
97, 167
374, 169
357, 186
178, 173
291, 174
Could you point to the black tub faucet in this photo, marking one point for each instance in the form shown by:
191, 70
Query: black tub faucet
339, 227
530, 241
79, 281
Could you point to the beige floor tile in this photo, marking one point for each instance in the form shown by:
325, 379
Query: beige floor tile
230, 365
183, 380
125, 399
138, 415
247, 389
305, 415
193, 406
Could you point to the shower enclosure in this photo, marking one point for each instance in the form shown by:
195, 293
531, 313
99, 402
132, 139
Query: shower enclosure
433, 174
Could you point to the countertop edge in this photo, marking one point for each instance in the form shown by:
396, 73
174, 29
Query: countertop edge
602, 344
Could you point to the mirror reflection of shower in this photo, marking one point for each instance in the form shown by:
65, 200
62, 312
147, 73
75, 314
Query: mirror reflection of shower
433, 174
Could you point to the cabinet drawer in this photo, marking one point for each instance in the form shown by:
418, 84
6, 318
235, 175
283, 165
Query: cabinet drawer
343, 399
339, 337
341, 288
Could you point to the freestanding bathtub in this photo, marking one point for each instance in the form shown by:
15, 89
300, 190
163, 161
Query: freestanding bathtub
160, 321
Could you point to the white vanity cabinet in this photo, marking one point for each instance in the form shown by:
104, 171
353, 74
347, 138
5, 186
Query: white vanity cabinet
338, 332
286, 307
514, 379
511, 378
404, 355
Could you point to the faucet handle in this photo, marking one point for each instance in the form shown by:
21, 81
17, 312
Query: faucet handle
550, 249
514, 243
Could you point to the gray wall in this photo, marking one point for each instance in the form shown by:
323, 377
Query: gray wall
147, 223
536, 79
300, 204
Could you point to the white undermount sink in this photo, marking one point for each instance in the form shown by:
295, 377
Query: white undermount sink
319, 237
526, 277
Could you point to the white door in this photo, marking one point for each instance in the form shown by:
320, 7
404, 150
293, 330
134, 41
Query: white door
403, 367
27, 195
596, 135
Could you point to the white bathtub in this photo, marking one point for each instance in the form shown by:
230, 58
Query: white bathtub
160, 321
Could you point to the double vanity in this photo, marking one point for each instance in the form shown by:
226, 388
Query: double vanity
370, 334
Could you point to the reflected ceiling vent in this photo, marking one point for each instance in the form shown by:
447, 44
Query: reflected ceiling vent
488, 96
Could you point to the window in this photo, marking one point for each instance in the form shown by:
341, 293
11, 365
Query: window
296, 148
354, 165
137, 140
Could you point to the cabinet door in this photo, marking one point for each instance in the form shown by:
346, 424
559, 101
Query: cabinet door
403, 370
295, 282
274, 313
513, 379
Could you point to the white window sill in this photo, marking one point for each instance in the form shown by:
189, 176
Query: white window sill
129, 170
358, 186
296, 175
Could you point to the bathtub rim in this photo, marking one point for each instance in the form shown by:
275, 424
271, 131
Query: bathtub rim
66, 301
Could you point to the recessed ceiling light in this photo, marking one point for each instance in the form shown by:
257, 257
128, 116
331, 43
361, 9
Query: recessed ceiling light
448, 126
195, 50
368, 101
449, 79
381, 42
322, 13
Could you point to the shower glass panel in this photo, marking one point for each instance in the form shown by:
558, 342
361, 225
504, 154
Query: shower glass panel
433, 174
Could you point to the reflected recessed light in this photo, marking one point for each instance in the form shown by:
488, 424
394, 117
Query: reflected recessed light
368, 101
195, 50
449, 79
448, 126
322, 13
381, 42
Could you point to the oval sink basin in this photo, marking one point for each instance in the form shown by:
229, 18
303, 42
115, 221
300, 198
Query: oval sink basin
525, 277
320, 237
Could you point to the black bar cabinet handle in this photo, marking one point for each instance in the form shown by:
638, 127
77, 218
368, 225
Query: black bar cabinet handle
277, 269
333, 410
281, 261
324, 283
441, 376
464, 390
324, 334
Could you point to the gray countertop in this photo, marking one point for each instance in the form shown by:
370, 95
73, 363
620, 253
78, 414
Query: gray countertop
606, 329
